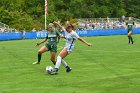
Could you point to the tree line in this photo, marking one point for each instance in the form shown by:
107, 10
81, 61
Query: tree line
29, 14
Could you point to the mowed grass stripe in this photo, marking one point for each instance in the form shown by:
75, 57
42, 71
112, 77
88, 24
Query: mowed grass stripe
110, 66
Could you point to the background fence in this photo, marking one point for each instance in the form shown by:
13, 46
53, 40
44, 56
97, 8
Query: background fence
34, 35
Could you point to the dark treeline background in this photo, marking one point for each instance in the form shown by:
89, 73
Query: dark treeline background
29, 14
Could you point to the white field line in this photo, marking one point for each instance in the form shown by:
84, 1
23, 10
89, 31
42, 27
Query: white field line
112, 51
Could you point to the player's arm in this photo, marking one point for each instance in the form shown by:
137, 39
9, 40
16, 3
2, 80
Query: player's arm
60, 35
44, 40
125, 25
84, 41
58, 23
75, 35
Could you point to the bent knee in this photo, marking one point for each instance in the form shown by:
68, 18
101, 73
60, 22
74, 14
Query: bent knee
39, 52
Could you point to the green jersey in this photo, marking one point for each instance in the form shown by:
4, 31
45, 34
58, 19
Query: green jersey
60, 31
52, 37
130, 25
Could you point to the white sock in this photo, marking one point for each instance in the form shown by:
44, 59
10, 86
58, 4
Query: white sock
64, 63
58, 62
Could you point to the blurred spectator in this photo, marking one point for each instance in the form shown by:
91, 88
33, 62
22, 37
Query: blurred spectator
123, 18
40, 30
1, 30
33, 30
106, 23
23, 34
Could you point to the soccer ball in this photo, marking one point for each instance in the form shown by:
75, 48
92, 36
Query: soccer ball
49, 69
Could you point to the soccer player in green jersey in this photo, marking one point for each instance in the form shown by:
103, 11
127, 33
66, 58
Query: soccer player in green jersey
51, 45
130, 24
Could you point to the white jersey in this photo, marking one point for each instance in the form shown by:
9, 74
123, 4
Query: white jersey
70, 40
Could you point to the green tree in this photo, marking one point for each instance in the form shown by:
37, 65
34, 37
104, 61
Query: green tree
29, 14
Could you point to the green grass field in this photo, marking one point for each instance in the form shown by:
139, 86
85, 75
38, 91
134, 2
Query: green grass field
111, 65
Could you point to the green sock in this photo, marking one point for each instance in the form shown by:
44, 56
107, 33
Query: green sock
39, 57
131, 39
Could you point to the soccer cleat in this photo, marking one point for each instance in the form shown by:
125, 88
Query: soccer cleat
34, 63
68, 69
53, 72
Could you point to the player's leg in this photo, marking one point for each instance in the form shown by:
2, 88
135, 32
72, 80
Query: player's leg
61, 55
130, 36
60, 60
40, 52
53, 54
132, 40
53, 51
64, 63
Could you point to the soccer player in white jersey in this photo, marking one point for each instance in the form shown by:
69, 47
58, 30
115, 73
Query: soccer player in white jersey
70, 37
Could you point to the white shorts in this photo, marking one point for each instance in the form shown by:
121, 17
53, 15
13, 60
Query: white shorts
69, 48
